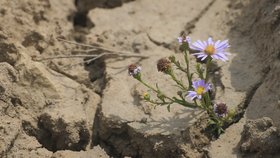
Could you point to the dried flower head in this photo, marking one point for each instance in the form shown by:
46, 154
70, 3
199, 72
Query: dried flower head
200, 87
220, 109
164, 65
133, 70
215, 50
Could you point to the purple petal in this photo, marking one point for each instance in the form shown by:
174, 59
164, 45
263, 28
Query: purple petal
198, 45
217, 56
192, 95
180, 39
204, 57
188, 39
204, 45
195, 85
226, 53
221, 56
217, 43
223, 45
201, 43
210, 41
201, 83
201, 55
207, 87
214, 56
195, 48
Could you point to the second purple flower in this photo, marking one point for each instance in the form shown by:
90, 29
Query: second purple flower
200, 87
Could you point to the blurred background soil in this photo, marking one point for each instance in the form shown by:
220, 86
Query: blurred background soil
51, 106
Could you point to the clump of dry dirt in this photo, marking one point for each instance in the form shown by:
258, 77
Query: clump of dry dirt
260, 136
42, 111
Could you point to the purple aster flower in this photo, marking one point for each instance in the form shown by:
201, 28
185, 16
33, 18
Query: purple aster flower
200, 87
220, 109
210, 48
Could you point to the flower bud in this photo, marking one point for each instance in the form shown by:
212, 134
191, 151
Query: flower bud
146, 96
184, 41
180, 93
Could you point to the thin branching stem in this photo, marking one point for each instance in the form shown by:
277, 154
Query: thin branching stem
188, 69
207, 69
156, 91
179, 83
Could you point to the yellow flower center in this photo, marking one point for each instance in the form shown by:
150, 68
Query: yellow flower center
210, 49
200, 90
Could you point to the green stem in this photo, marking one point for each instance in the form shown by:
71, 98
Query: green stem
171, 73
196, 104
208, 99
144, 83
175, 100
207, 69
203, 103
188, 69
182, 69
185, 103
156, 91
158, 103
199, 71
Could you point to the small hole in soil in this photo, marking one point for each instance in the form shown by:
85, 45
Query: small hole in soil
81, 19
45, 138
16, 101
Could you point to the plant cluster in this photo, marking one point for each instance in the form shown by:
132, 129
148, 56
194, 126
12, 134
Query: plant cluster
196, 94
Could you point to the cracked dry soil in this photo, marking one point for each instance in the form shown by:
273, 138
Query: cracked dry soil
65, 107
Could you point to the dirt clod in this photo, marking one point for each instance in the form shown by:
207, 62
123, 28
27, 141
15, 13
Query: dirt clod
260, 136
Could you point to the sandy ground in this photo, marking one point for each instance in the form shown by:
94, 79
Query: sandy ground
51, 106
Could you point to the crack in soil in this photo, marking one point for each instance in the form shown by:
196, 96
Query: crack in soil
191, 25
241, 108
170, 46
